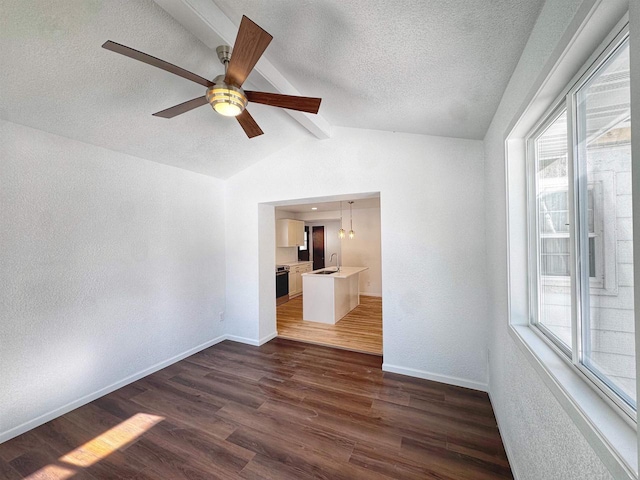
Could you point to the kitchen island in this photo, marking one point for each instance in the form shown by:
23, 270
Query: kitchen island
327, 297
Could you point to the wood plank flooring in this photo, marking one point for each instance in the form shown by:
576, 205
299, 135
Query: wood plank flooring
286, 410
360, 330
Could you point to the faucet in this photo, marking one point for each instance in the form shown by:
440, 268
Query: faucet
337, 260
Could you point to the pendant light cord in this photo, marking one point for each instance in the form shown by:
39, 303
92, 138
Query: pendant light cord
351, 232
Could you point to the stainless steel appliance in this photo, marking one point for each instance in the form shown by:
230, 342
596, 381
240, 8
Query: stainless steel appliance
282, 284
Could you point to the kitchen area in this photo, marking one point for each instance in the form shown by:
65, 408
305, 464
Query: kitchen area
328, 274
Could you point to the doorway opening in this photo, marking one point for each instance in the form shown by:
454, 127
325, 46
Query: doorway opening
349, 315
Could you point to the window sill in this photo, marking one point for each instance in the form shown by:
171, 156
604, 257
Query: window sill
611, 437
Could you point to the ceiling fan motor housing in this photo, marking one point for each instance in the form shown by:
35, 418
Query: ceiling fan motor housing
227, 100
224, 54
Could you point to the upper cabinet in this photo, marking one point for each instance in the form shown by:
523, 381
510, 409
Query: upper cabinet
289, 233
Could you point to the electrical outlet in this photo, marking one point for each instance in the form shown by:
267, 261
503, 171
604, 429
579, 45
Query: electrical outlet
221, 314
368, 284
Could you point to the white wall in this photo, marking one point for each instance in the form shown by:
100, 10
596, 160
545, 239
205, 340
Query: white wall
541, 439
361, 251
434, 293
364, 249
111, 265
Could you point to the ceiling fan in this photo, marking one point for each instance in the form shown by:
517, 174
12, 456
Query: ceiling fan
224, 93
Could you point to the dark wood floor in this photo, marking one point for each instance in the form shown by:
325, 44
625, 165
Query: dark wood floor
285, 410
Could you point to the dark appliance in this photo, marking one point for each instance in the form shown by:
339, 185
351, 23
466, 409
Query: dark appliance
282, 284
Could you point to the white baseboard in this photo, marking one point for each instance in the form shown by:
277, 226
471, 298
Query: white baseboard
248, 341
36, 422
267, 338
252, 341
507, 449
412, 372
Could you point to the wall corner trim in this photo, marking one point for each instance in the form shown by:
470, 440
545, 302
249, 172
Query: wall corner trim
252, 341
55, 413
267, 338
458, 382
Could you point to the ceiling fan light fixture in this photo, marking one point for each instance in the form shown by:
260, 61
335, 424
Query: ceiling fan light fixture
226, 99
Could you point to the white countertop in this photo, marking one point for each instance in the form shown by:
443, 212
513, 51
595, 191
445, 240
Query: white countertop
291, 264
344, 272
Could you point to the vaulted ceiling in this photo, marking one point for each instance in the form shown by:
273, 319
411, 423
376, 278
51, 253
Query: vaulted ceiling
434, 67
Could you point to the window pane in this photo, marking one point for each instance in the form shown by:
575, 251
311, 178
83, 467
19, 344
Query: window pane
552, 231
604, 133
554, 257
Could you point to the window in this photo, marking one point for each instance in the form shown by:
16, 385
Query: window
580, 227
553, 212
303, 250
554, 230
306, 237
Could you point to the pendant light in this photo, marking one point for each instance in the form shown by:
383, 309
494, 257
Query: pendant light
351, 232
341, 233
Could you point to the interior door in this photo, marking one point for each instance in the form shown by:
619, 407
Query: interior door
317, 234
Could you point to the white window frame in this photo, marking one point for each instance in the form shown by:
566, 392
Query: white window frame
612, 436
604, 283
573, 355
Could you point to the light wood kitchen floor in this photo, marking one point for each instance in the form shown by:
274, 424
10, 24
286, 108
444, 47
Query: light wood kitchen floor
360, 330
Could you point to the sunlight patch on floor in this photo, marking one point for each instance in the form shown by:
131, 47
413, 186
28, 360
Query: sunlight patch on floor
52, 472
99, 447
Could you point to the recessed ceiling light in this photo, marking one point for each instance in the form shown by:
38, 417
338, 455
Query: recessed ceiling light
314, 208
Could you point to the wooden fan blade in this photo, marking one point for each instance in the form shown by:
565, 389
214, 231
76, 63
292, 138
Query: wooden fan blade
251, 43
156, 62
292, 102
182, 108
249, 125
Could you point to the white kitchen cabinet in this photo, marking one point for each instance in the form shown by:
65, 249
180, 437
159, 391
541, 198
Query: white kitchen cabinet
295, 279
289, 233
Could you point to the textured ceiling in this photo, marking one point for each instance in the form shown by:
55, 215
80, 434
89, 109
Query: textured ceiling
60, 80
433, 67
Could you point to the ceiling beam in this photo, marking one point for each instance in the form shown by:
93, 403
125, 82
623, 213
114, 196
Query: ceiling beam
208, 23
